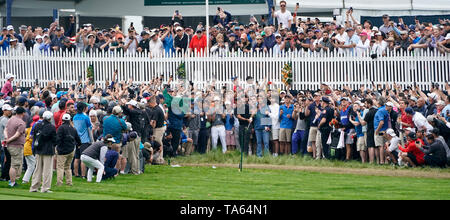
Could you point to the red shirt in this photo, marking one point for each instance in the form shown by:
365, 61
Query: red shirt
58, 118
411, 148
407, 119
198, 44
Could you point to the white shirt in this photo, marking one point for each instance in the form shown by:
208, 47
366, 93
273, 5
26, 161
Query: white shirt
275, 115
420, 121
133, 46
36, 50
341, 39
379, 48
156, 47
362, 47
284, 18
393, 144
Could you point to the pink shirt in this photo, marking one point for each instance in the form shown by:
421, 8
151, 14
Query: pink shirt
7, 88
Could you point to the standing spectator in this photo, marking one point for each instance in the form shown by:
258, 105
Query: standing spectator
132, 41
181, 41
167, 38
57, 39
369, 121
15, 140
144, 44
387, 25
299, 132
310, 114
381, 124
6, 157
133, 144
222, 17
30, 159
269, 40
286, 125
283, 16
218, 126
67, 141
157, 118
44, 137
7, 88
156, 45
356, 121
275, 130
324, 125
83, 125
262, 127
94, 157
198, 42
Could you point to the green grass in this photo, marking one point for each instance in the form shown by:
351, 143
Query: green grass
234, 157
200, 183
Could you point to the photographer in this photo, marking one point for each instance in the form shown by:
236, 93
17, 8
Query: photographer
132, 41
177, 18
222, 17
144, 44
4, 40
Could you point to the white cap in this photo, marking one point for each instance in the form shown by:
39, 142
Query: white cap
9, 76
144, 101
53, 95
374, 28
129, 126
179, 28
390, 104
410, 129
440, 102
433, 95
47, 115
132, 102
217, 98
277, 35
117, 110
391, 132
111, 140
39, 37
9, 28
93, 113
66, 117
6, 107
94, 99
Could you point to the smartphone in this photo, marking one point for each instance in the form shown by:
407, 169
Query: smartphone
298, 4
417, 142
36, 82
73, 87
177, 12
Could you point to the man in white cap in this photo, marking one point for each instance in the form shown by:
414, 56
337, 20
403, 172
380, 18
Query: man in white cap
44, 147
391, 146
181, 40
38, 44
67, 141
6, 164
94, 157
7, 87
156, 45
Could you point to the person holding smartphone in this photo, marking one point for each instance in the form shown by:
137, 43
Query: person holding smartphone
411, 154
283, 15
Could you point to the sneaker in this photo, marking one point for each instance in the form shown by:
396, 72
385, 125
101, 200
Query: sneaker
12, 185
122, 172
33, 191
48, 191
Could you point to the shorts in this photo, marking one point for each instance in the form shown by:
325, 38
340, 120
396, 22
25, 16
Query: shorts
349, 136
230, 139
285, 135
80, 150
379, 140
124, 151
275, 134
16, 157
312, 134
361, 144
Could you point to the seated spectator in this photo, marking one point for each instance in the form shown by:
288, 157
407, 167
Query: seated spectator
411, 154
435, 154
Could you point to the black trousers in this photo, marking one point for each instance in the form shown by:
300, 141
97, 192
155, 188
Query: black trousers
6, 164
176, 135
203, 136
325, 132
244, 138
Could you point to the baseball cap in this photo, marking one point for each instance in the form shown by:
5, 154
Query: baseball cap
430, 118
277, 35
326, 99
66, 117
9, 28
47, 115
390, 104
6, 107
391, 132
409, 110
132, 102
179, 28
433, 95
412, 135
133, 134
440, 102
60, 93
110, 139
117, 110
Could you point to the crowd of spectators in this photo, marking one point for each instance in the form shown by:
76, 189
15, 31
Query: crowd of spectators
227, 34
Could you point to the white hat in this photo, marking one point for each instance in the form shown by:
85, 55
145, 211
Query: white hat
433, 95
94, 99
217, 98
374, 28
117, 110
179, 28
6, 107
129, 126
440, 102
132, 102
277, 35
410, 129
66, 117
111, 140
9, 76
9, 28
390, 104
93, 113
144, 101
391, 132
47, 115
39, 37
53, 95
447, 37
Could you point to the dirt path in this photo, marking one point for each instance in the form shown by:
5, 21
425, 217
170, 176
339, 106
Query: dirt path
339, 170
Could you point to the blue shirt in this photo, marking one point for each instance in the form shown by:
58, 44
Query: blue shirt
82, 124
114, 126
358, 129
229, 122
5, 45
168, 44
261, 119
287, 123
381, 115
353, 40
312, 114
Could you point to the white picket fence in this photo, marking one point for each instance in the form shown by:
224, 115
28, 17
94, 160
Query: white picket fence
310, 69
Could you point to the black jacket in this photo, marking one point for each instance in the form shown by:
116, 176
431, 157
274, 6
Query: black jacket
182, 43
67, 139
46, 138
134, 117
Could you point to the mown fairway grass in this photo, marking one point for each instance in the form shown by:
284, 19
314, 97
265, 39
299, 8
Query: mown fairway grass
203, 183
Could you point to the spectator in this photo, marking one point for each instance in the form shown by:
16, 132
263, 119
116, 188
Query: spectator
94, 157
6, 157
156, 45
44, 137
181, 41
411, 154
198, 42
83, 125
67, 141
7, 88
286, 125
57, 39
435, 154
283, 16
391, 146
15, 140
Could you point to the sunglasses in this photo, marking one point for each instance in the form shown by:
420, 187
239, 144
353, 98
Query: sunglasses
282, 5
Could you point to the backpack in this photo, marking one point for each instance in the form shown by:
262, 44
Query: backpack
36, 136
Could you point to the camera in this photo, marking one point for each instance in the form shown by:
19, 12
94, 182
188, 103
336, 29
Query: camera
177, 12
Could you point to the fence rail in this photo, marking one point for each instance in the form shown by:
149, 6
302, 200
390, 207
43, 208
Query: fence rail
310, 69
